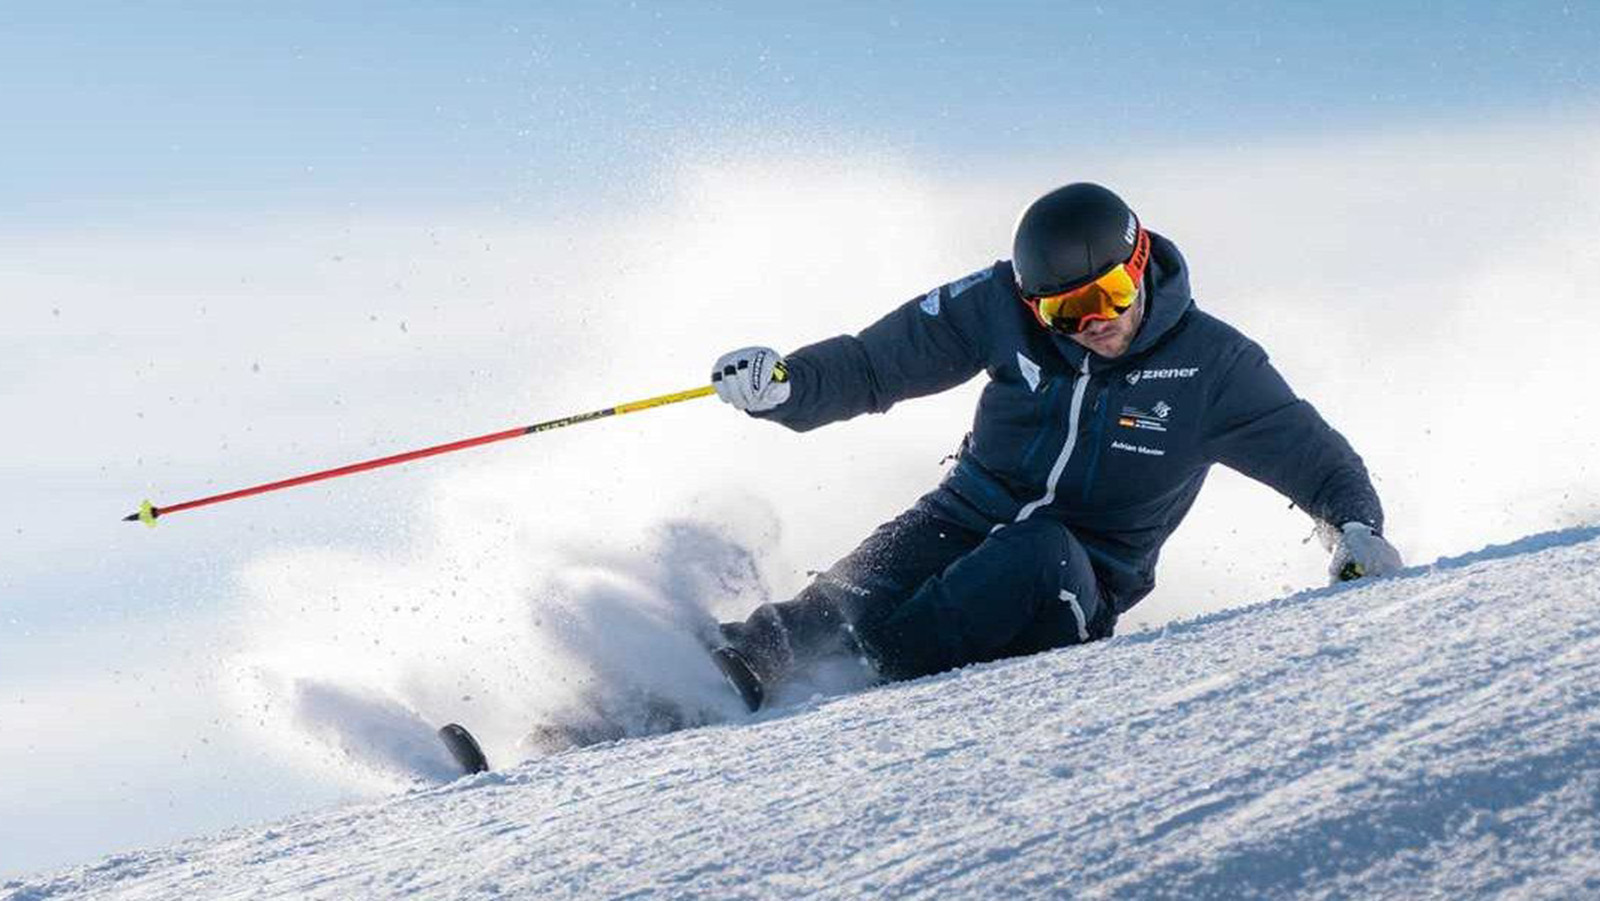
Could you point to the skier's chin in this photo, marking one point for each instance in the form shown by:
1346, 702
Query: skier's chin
1110, 345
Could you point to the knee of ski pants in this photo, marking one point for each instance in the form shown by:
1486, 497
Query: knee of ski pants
1027, 588
1067, 599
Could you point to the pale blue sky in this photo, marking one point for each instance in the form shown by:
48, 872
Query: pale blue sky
111, 109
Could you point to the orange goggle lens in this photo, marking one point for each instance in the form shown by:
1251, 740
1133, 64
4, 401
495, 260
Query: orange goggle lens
1107, 297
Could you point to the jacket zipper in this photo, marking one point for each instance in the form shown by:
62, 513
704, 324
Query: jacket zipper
1096, 435
1073, 416
1051, 391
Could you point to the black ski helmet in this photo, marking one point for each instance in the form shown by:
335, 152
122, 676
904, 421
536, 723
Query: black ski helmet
1070, 237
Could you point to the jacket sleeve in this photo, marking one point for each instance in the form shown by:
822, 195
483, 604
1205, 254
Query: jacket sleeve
1258, 427
927, 345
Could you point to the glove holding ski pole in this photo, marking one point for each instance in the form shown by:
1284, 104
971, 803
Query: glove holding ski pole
1359, 552
753, 379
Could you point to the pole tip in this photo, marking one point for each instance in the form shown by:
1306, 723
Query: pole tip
147, 514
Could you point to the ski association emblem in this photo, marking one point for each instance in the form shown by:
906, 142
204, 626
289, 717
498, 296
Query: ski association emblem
1151, 420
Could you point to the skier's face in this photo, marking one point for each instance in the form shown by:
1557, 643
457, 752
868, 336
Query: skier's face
1111, 337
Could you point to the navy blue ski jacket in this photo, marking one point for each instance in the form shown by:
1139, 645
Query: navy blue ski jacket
1115, 449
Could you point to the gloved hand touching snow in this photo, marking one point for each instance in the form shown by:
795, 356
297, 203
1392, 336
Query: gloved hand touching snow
753, 379
1359, 552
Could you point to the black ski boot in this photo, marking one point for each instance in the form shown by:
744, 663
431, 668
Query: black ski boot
464, 748
741, 675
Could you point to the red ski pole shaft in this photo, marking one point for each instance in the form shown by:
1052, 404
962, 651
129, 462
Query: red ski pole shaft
148, 512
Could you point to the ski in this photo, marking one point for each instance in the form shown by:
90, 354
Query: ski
464, 748
469, 756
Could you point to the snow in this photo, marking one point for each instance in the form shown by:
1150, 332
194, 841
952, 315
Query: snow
1431, 735
391, 593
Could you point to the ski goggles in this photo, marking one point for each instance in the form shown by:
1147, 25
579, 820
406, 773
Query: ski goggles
1107, 297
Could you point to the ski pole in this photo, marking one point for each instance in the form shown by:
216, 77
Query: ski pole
148, 512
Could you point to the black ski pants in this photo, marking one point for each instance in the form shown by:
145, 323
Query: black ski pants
921, 595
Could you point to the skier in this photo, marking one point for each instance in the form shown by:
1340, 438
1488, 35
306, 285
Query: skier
1110, 396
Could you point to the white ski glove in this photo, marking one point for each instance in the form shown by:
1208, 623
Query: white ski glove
753, 379
1359, 552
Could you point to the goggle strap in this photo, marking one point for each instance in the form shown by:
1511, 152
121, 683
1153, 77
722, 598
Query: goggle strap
1140, 257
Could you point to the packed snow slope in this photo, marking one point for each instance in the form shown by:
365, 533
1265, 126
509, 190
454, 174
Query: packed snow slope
1432, 735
